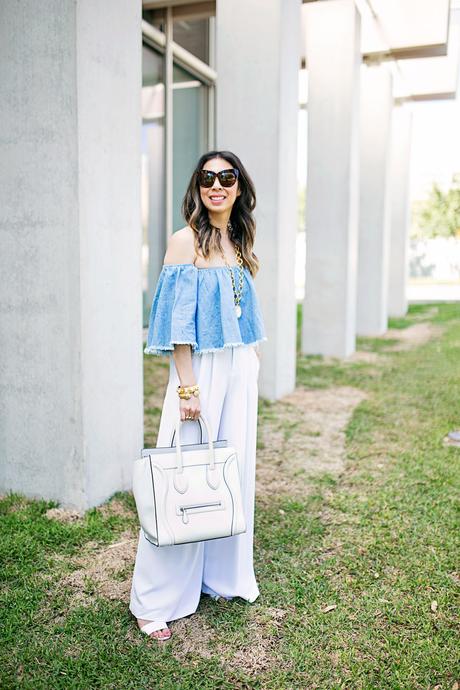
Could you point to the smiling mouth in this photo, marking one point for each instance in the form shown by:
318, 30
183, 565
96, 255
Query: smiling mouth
217, 197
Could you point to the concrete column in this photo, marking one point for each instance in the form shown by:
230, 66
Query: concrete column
258, 54
333, 61
375, 197
70, 261
400, 210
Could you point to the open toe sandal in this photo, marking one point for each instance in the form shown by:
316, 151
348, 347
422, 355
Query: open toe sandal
153, 626
220, 598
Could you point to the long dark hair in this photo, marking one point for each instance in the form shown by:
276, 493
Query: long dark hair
207, 238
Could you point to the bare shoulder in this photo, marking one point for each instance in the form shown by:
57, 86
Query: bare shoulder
181, 248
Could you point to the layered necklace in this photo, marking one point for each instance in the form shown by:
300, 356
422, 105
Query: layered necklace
239, 260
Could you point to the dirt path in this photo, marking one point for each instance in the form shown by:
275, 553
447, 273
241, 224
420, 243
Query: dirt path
413, 336
307, 436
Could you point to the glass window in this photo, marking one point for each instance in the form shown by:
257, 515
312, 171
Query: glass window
190, 140
189, 134
152, 180
155, 17
193, 35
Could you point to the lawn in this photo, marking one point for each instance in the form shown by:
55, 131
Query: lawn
358, 568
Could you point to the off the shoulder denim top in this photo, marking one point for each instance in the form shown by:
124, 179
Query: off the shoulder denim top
196, 306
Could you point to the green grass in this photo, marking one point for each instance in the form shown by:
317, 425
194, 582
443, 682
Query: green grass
380, 543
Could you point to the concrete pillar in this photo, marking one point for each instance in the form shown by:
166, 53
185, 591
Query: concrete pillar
400, 210
333, 61
375, 197
70, 261
258, 55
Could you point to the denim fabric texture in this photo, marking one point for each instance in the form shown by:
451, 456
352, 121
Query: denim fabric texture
196, 306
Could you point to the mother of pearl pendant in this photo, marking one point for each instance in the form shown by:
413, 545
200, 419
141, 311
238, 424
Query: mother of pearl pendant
238, 310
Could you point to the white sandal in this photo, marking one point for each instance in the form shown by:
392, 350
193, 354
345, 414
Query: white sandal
155, 625
220, 598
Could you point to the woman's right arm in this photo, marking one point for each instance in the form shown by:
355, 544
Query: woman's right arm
181, 250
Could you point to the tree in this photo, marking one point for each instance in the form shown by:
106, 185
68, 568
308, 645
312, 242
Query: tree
439, 215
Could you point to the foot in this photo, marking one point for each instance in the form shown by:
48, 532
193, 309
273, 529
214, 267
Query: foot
159, 630
220, 598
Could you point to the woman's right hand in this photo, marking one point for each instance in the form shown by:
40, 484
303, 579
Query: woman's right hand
189, 408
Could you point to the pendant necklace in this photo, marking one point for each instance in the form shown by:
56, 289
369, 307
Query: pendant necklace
239, 260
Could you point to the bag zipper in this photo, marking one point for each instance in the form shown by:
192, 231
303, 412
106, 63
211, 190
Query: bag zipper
191, 506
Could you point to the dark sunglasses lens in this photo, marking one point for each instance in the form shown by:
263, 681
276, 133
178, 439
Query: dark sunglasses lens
206, 178
227, 178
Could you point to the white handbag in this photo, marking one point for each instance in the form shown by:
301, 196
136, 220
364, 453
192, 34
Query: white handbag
188, 493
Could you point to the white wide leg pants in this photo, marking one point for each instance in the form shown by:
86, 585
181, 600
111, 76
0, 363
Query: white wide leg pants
168, 580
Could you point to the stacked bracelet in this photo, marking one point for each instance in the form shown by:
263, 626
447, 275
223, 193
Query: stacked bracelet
186, 392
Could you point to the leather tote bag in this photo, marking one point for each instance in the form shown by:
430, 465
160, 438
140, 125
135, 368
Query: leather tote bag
188, 493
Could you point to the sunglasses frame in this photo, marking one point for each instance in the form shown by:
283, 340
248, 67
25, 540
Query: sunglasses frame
233, 170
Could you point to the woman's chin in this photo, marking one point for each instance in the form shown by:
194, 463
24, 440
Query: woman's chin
218, 208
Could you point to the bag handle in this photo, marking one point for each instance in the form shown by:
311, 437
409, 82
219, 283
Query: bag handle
180, 465
179, 479
201, 431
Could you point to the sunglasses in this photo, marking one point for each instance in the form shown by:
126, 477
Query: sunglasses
227, 178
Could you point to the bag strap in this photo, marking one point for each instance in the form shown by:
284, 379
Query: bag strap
180, 464
180, 479
194, 420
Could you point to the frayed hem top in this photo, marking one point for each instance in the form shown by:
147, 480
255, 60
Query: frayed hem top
195, 306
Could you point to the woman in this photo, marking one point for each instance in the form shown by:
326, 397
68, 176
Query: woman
205, 314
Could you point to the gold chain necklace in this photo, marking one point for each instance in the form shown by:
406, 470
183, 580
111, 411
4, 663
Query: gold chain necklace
239, 260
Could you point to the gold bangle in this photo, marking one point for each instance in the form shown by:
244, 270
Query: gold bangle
188, 389
186, 392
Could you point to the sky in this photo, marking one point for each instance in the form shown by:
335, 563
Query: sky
435, 152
